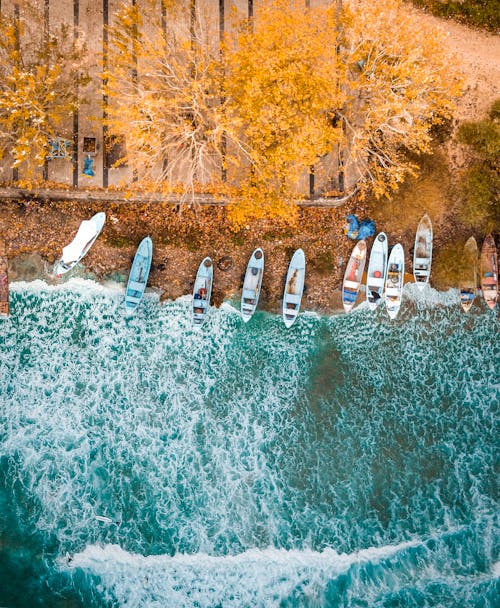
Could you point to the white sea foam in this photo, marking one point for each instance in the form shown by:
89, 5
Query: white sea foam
345, 431
253, 578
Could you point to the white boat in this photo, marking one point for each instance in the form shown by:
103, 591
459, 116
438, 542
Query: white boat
395, 280
353, 275
468, 274
377, 268
202, 291
422, 254
252, 284
139, 274
294, 287
87, 233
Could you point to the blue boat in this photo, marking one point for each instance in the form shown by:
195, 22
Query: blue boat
139, 273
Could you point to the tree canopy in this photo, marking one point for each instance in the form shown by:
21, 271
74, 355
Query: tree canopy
39, 74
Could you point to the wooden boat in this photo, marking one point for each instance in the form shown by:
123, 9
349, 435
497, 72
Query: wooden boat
353, 275
489, 271
4, 283
422, 254
294, 287
395, 280
252, 284
87, 233
202, 291
468, 274
377, 268
139, 273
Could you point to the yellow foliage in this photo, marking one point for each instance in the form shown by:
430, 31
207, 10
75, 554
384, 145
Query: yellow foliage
39, 74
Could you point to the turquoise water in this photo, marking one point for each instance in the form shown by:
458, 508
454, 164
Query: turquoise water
349, 461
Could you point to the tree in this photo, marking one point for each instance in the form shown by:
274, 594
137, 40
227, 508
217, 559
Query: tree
358, 82
364, 81
398, 81
164, 90
38, 73
282, 84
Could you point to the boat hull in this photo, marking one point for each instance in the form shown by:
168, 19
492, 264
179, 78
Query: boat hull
468, 274
377, 268
139, 273
353, 275
4, 286
294, 288
489, 272
252, 284
202, 292
422, 253
394, 281
62, 266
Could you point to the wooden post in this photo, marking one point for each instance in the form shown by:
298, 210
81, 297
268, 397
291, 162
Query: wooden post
46, 24
135, 74
15, 170
105, 21
223, 97
75, 157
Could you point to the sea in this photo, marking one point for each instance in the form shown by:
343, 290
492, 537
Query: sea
348, 461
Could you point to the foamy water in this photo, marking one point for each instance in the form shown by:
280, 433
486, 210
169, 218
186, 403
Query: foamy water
348, 460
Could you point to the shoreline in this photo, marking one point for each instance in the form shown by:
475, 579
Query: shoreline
86, 280
181, 240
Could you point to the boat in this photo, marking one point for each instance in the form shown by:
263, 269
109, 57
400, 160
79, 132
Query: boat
489, 272
4, 283
468, 274
353, 275
252, 284
87, 233
139, 273
202, 291
294, 287
395, 280
422, 254
377, 268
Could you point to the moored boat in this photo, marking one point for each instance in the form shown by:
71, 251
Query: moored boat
87, 233
252, 284
139, 274
353, 275
422, 254
202, 291
4, 283
294, 287
489, 271
468, 274
377, 268
395, 280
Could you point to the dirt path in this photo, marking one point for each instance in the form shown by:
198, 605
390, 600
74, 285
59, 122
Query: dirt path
478, 56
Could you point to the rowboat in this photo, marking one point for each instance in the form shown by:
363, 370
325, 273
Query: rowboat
394, 281
353, 275
294, 287
87, 233
252, 284
377, 268
422, 254
489, 271
202, 291
4, 284
139, 273
468, 274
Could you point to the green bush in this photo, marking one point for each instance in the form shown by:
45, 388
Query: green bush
481, 205
483, 137
495, 111
447, 265
480, 13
